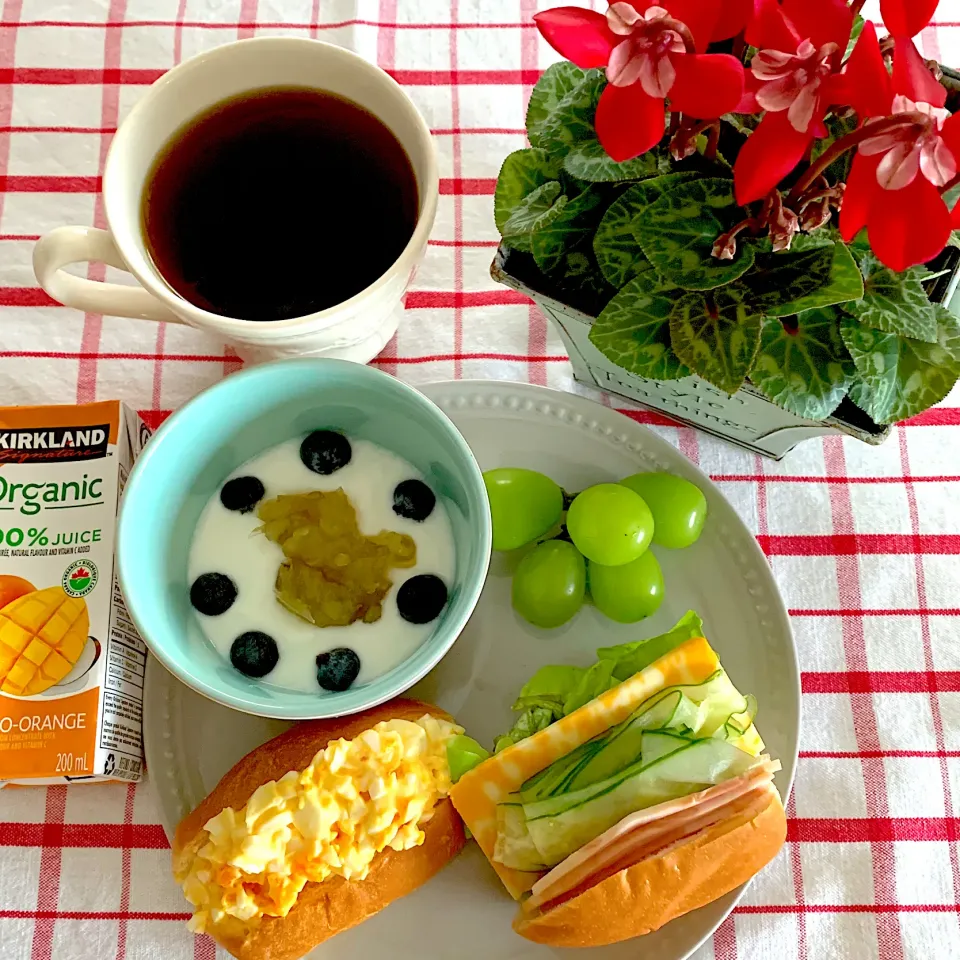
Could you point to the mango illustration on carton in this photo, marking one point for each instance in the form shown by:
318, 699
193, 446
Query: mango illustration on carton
71, 662
42, 635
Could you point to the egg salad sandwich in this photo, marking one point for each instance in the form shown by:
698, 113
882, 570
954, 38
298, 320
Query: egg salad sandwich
627, 793
322, 827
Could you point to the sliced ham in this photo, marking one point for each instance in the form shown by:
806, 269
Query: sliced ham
648, 831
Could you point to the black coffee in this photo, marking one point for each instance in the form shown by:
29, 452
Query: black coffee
278, 203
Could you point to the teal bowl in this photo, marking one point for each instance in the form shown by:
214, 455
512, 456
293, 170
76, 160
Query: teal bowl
184, 465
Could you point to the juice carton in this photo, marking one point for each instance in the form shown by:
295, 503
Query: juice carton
71, 661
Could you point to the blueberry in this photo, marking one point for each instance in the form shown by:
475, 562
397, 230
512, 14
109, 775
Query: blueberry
242, 494
337, 669
213, 594
413, 499
325, 451
254, 653
420, 599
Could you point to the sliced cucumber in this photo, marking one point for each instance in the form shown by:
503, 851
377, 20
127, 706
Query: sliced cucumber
602, 757
746, 717
698, 708
623, 748
656, 744
710, 703
688, 716
560, 825
700, 761
514, 846
554, 779
722, 702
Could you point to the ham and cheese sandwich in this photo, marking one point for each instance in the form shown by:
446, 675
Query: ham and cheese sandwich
622, 799
320, 828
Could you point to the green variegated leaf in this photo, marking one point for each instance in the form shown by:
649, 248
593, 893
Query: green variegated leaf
894, 302
677, 233
568, 133
649, 191
571, 120
615, 244
899, 377
522, 172
803, 366
778, 279
744, 123
813, 273
534, 212
571, 229
633, 331
577, 273
717, 334
820, 238
587, 160
555, 83
844, 284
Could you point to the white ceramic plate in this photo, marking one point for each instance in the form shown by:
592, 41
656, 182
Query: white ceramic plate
465, 913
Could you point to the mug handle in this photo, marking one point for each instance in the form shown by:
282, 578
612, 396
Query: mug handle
65, 245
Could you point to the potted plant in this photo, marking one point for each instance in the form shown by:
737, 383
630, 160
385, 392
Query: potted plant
739, 212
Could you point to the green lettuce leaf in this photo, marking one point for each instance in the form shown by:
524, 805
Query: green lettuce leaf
555, 691
631, 658
528, 723
552, 681
550, 702
595, 680
463, 754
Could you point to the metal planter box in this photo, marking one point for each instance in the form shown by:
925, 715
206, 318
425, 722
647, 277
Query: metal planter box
747, 419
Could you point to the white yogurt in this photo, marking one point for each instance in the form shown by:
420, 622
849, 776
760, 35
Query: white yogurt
227, 542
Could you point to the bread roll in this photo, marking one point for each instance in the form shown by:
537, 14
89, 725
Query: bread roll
323, 909
645, 896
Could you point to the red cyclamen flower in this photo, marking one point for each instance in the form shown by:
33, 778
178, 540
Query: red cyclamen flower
906, 18
913, 149
794, 78
894, 184
646, 48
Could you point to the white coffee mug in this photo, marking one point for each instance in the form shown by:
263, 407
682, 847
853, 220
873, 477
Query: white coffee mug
356, 329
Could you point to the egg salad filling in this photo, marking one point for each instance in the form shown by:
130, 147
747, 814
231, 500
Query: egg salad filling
357, 798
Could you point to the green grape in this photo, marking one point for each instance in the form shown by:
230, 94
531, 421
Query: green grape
549, 584
524, 505
679, 507
627, 593
610, 524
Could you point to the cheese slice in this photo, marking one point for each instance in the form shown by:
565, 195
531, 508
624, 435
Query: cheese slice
477, 794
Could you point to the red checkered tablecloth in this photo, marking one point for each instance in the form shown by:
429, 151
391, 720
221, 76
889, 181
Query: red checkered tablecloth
865, 542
